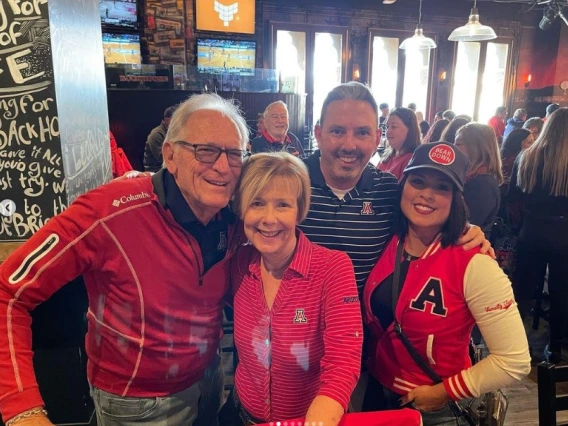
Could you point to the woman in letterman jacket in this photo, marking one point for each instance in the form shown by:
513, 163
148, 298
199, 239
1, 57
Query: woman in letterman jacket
443, 292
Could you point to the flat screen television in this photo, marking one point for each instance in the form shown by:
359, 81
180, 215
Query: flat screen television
121, 48
225, 56
119, 13
227, 16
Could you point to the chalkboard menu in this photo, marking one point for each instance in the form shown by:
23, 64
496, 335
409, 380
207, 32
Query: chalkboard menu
31, 167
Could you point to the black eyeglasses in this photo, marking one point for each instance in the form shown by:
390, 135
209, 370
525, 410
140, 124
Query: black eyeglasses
210, 154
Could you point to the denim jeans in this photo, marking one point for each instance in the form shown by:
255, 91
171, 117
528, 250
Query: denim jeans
379, 398
442, 417
197, 405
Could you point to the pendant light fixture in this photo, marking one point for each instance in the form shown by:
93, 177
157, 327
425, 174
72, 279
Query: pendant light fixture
418, 40
473, 30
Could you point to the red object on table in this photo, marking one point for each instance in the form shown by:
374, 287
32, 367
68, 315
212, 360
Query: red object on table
404, 417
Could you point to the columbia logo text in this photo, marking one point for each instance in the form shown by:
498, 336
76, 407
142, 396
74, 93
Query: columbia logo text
128, 198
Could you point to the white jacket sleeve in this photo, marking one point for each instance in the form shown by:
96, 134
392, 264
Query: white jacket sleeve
490, 299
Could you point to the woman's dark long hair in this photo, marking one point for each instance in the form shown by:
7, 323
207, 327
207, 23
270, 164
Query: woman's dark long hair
452, 230
512, 144
435, 132
449, 133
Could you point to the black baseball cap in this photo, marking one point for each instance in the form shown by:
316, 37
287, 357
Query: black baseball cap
441, 156
551, 108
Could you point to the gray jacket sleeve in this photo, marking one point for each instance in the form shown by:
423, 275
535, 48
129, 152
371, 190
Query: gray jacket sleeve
155, 141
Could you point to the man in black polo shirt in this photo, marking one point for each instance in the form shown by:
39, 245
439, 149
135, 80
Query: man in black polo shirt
352, 202
275, 136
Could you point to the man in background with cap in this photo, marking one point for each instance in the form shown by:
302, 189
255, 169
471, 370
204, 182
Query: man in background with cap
550, 109
153, 150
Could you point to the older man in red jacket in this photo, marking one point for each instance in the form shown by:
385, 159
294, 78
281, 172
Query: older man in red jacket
153, 253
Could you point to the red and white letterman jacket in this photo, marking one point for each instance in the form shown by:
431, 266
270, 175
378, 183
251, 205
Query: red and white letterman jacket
446, 292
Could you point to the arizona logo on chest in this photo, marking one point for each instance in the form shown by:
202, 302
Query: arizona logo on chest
367, 208
300, 317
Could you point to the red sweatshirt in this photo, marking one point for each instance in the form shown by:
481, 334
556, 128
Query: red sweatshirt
154, 317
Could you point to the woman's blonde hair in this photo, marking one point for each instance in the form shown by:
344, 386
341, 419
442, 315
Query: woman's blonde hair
482, 149
260, 170
545, 162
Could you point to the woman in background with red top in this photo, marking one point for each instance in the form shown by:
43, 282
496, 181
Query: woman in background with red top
403, 135
441, 292
298, 328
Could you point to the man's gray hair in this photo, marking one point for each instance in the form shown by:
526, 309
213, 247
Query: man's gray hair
354, 91
265, 113
520, 112
206, 101
534, 122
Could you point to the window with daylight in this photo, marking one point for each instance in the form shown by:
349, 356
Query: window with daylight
291, 60
384, 74
416, 78
309, 59
399, 77
481, 78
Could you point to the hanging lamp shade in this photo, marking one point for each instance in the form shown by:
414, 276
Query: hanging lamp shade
418, 41
473, 30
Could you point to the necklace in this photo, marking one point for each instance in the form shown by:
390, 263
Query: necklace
409, 258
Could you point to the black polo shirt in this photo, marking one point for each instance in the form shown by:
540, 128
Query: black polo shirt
360, 224
213, 237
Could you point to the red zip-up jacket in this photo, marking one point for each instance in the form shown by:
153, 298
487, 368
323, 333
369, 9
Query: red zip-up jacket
154, 316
